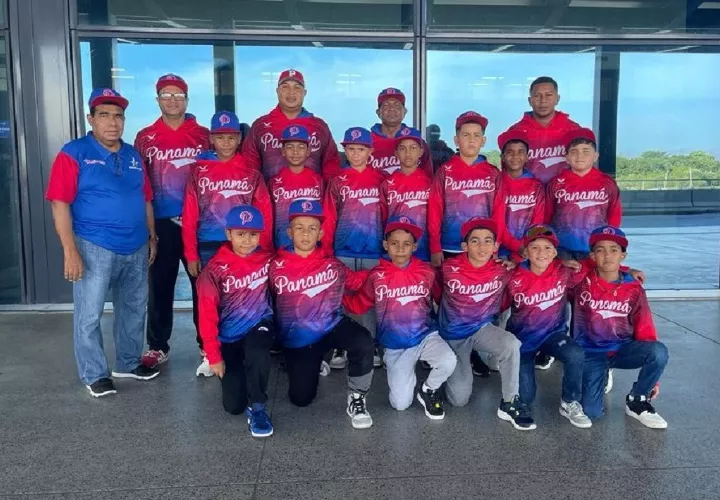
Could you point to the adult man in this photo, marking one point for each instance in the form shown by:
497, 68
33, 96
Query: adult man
101, 203
262, 147
546, 129
169, 147
391, 111
439, 150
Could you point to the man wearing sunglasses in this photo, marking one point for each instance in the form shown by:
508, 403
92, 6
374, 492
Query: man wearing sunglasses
101, 203
169, 147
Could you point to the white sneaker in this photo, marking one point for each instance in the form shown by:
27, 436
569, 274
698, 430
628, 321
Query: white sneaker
338, 360
357, 410
377, 358
609, 385
204, 369
574, 413
640, 409
324, 369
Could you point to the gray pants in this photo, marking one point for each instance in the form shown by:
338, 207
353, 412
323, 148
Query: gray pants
369, 319
500, 344
400, 366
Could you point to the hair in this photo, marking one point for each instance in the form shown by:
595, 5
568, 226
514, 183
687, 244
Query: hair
387, 235
543, 79
581, 140
515, 141
624, 249
466, 240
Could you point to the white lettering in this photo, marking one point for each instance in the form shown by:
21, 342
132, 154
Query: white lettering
606, 308
403, 294
280, 193
539, 153
156, 154
542, 299
309, 285
242, 186
394, 197
358, 194
251, 281
564, 196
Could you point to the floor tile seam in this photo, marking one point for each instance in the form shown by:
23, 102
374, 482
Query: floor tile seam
264, 444
686, 328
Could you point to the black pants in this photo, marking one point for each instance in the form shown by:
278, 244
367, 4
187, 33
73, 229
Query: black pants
247, 368
163, 276
303, 364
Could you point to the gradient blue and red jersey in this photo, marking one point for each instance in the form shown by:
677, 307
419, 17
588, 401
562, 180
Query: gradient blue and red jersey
308, 294
403, 301
169, 156
213, 189
383, 157
471, 297
353, 219
287, 187
575, 206
459, 192
233, 297
546, 155
524, 206
408, 195
261, 148
107, 193
607, 315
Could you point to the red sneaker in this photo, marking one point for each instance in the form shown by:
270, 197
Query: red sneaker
152, 358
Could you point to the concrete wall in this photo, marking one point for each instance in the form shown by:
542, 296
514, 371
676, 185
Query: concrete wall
671, 201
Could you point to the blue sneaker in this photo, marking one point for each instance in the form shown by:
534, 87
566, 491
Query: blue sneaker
259, 420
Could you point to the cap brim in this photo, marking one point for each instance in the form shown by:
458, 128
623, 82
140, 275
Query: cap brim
384, 98
367, 145
117, 100
414, 230
552, 239
291, 79
249, 229
305, 141
465, 121
225, 130
594, 239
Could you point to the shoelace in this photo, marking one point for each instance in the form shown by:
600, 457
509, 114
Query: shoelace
357, 405
575, 409
644, 406
521, 408
434, 398
260, 418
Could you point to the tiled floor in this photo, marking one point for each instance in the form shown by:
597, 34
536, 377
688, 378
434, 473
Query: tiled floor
170, 439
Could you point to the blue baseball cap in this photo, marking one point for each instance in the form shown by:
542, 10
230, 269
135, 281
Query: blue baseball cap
357, 135
404, 223
107, 96
295, 133
306, 208
245, 217
609, 233
409, 133
224, 122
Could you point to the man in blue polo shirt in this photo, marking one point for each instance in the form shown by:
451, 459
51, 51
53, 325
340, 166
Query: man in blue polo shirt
101, 203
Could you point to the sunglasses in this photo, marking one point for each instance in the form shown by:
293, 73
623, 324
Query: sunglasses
540, 231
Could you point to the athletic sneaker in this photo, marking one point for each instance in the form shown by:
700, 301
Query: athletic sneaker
574, 413
357, 410
204, 369
609, 384
543, 361
517, 413
338, 360
431, 401
639, 408
141, 372
377, 358
258, 420
479, 368
324, 369
102, 387
154, 357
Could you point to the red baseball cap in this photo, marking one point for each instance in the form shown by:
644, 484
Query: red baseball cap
478, 223
471, 117
579, 133
391, 93
513, 135
404, 223
171, 79
291, 74
538, 231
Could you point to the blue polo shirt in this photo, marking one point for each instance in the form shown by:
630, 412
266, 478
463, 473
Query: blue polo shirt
107, 193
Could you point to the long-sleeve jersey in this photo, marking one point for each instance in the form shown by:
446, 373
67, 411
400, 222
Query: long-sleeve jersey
213, 189
261, 148
169, 155
471, 297
233, 297
408, 195
575, 206
403, 301
524, 206
547, 144
459, 192
353, 221
287, 187
308, 294
383, 157
607, 315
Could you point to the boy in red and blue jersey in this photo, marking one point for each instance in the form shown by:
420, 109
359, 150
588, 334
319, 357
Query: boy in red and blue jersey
613, 323
473, 284
406, 192
524, 194
296, 182
308, 286
402, 291
581, 198
236, 318
464, 187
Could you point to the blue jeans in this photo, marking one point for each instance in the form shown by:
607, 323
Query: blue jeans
650, 357
566, 350
127, 277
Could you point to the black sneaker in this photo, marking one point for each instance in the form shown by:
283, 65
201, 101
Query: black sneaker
543, 361
639, 408
432, 403
141, 372
479, 368
103, 387
517, 413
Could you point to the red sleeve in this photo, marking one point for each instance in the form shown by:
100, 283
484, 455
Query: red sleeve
426, 163
261, 201
63, 183
436, 207
190, 216
437, 286
575, 277
250, 149
136, 144
549, 202
363, 301
330, 157
330, 211
383, 203
506, 299
354, 279
615, 208
508, 240
642, 320
538, 216
147, 187
498, 209
208, 303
